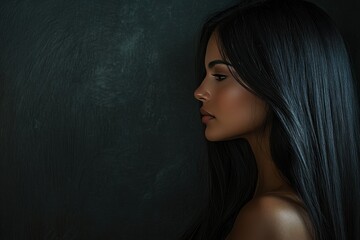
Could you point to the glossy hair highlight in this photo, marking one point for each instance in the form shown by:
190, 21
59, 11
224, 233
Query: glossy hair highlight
291, 54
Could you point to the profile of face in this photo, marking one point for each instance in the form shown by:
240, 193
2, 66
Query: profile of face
237, 112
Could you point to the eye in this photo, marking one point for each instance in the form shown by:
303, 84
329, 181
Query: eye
219, 77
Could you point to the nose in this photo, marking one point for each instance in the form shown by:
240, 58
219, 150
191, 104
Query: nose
201, 93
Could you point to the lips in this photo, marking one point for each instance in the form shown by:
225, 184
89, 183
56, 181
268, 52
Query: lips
206, 116
205, 113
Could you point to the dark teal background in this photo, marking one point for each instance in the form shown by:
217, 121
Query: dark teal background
100, 135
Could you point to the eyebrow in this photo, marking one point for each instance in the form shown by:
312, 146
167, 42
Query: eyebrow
213, 63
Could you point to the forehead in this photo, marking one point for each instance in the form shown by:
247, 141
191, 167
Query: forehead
212, 49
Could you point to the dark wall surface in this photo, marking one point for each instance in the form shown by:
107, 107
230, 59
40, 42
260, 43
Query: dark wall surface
99, 131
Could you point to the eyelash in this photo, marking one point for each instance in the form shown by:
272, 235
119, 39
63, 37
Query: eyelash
219, 76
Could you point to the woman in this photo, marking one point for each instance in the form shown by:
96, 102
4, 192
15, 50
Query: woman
279, 108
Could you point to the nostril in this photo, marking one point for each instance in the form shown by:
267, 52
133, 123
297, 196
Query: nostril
201, 99
202, 94
198, 96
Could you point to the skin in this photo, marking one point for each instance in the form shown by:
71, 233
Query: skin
241, 114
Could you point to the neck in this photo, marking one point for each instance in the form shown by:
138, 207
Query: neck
269, 178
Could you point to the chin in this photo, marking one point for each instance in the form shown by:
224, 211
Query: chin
211, 137
218, 137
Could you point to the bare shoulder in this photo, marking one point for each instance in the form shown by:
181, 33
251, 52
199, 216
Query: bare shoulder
272, 217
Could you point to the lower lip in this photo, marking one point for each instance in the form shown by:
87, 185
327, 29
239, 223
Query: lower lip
206, 119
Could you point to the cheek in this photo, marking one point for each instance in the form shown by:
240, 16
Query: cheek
234, 102
240, 109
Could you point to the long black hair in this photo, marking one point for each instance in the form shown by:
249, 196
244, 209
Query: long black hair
291, 54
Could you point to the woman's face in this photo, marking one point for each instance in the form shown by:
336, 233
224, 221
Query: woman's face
237, 112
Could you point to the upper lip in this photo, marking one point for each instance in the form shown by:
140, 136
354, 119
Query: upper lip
205, 113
